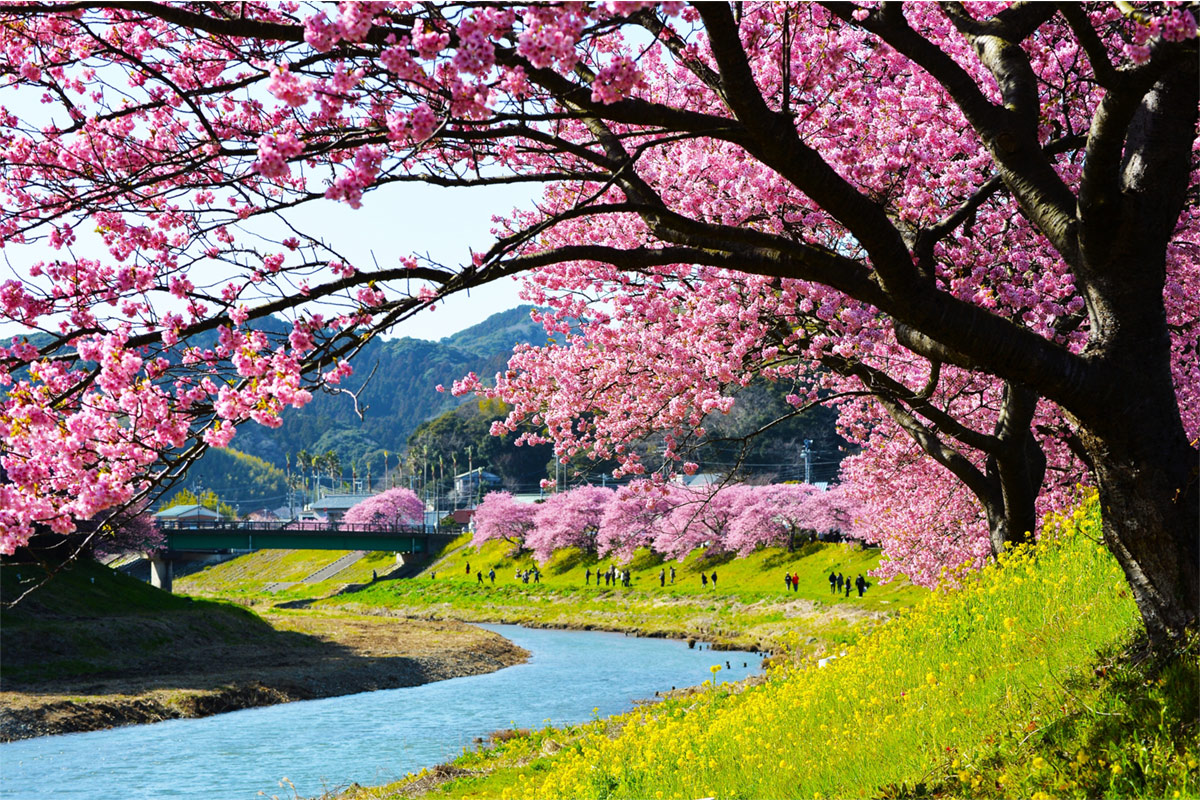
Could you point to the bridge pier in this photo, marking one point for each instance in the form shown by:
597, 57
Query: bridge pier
160, 573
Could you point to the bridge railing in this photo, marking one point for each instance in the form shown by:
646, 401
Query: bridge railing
298, 526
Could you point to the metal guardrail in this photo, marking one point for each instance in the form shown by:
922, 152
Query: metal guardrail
303, 526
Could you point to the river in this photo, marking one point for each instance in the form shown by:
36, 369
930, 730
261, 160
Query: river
369, 738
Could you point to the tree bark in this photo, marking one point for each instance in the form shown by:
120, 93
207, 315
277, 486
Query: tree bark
1150, 505
1016, 468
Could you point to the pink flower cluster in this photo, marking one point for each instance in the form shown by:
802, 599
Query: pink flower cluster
394, 508
669, 519
616, 80
274, 152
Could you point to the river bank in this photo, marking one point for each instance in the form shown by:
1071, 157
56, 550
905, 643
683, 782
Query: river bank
94, 649
359, 654
753, 608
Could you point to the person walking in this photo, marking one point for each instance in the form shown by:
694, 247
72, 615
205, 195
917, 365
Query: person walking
832, 583
795, 581
839, 583
860, 584
662, 577
468, 569
714, 579
479, 576
787, 580
847, 587
703, 579
672, 573
492, 575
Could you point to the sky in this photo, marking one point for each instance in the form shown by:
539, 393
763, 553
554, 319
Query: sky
396, 220
444, 223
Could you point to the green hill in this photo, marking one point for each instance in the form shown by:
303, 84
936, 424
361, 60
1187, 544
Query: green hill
400, 377
92, 621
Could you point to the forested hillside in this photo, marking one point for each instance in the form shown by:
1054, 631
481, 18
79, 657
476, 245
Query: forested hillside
402, 413
400, 376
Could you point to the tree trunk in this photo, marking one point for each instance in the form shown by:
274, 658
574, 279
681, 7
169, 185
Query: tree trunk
1150, 504
1016, 469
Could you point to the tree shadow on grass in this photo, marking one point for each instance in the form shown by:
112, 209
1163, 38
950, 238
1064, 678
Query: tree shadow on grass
777, 560
710, 560
567, 560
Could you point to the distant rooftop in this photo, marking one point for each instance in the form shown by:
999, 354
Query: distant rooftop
338, 502
189, 510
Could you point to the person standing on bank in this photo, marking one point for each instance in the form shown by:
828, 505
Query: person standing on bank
832, 583
860, 584
787, 580
662, 577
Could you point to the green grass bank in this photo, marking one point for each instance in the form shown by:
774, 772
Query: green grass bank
89, 621
749, 607
1028, 682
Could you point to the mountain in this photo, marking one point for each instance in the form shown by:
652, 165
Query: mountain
400, 376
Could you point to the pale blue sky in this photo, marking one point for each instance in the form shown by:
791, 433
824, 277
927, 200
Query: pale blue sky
394, 221
446, 224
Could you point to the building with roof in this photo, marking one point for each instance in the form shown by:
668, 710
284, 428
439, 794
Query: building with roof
475, 482
334, 506
190, 515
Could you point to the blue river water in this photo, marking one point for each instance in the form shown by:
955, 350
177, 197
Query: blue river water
368, 738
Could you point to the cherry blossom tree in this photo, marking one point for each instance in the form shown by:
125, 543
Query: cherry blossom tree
836, 510
774, 515
981, 217
395, 508
632, 519
499, 516
569, 519
135, 531
701, 518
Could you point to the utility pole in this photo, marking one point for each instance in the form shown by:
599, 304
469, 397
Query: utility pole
808, 461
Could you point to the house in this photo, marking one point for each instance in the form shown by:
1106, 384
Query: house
190, 515
701, 480
475, 482
335, 506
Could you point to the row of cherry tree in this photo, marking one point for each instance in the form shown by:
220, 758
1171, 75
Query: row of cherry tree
669, 519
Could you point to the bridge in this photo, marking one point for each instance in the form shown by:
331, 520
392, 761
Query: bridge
188, 538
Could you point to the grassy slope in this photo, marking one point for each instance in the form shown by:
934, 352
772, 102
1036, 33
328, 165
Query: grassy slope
1014, 687
751, 608
70, 627
250, 574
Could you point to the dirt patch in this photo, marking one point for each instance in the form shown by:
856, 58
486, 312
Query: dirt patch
325, 656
